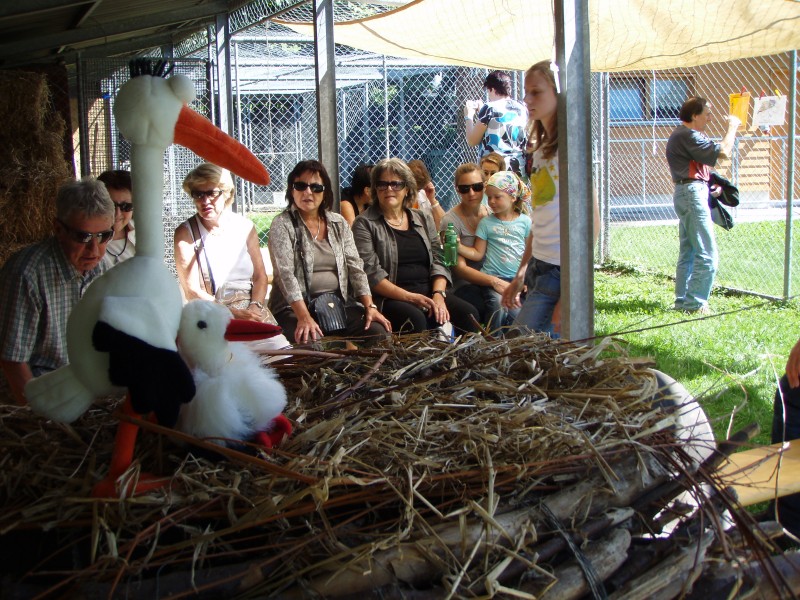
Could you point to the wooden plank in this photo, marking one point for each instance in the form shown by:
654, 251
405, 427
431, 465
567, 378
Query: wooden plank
763, 473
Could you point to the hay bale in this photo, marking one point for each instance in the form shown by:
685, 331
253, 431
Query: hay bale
24, 103
7, 250
32, 163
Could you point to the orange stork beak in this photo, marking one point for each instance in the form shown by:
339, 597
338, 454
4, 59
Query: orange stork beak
205, 139
239, 330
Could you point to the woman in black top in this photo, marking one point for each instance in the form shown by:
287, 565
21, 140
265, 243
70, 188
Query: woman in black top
402, 256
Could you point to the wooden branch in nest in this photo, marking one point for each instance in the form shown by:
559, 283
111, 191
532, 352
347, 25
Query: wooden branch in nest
424, 560
420, 469
569, 581
666, 580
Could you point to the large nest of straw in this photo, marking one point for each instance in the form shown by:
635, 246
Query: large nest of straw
523, 467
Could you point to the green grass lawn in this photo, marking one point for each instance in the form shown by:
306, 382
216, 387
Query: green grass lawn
262, 221
751, 254
730, 361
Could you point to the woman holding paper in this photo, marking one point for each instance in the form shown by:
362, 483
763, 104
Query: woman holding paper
690, 155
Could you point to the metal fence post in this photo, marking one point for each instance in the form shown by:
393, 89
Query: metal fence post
575, 169
324, 54
386, 105
787, 264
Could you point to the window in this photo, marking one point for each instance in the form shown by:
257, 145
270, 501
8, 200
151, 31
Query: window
634, 99
667, 96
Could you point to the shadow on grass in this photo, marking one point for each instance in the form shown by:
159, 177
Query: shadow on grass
670, 363
632, 306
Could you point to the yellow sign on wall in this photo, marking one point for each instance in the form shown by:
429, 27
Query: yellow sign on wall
739, 105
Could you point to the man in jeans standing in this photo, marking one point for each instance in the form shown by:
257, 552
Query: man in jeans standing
690, 155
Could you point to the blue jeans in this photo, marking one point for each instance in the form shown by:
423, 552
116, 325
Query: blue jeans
697, 258
544, 291
496, 315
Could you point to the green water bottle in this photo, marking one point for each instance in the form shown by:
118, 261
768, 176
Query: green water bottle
450, 246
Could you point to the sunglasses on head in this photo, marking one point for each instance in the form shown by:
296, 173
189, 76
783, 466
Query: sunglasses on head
466, 187
302, 186
210, 194
84, 237
123, 206
395, 185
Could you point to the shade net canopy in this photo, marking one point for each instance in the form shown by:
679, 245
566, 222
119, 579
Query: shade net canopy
625, 35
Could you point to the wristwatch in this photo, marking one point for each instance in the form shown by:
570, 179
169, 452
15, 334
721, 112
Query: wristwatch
257, 303
442, 292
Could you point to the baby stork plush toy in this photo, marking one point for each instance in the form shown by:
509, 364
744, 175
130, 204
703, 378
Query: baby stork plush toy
237, 399
121, 335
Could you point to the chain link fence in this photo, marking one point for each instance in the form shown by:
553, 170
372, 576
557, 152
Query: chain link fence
394, 107
385, 107
102, 147
634, 114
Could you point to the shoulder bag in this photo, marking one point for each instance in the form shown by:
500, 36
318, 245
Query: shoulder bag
227, 295
328, 308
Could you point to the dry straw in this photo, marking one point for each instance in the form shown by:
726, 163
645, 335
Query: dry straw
32, 165
421, 469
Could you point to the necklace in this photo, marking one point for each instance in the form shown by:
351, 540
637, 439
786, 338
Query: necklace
319, 226
125, 245
399, 224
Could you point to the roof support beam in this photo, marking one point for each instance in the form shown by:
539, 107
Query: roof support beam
100, 34
17, 9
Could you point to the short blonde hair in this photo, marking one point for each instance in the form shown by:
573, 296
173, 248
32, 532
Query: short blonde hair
210, 173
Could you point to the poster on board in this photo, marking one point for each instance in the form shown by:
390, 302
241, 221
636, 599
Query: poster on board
768, 111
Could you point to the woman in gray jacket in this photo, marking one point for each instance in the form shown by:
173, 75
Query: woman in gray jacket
402, 256
310, 243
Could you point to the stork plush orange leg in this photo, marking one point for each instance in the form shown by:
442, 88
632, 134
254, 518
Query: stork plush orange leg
121, 459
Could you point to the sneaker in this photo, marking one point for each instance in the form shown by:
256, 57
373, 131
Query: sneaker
701, 310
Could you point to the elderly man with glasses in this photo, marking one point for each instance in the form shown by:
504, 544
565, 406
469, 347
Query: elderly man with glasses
41, 284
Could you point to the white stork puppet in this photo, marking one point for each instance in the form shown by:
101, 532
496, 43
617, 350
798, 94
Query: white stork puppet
237, 399
122, 332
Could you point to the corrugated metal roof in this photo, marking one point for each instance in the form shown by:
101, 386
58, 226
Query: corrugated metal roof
36, 30
46, 30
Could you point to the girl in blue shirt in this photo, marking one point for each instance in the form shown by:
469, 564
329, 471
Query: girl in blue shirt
500, 240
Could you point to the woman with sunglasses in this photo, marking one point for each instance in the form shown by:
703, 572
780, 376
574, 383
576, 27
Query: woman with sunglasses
403, 256
313, 253
217, 253
123, 245
469, 281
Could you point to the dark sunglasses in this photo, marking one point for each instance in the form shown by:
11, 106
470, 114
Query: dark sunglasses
123, 206
466, 187
210, 194
84, 237
302, 186
395, 185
